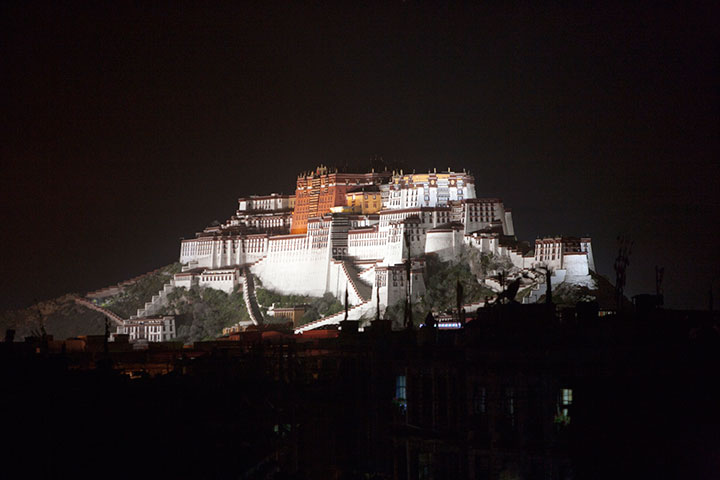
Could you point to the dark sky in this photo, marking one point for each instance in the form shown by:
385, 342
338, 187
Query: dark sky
129, 126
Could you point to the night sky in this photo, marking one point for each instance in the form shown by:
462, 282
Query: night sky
128, 126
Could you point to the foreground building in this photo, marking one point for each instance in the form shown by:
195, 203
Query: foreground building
150, 329
521, 391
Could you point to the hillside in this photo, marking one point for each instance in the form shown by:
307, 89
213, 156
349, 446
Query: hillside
202, 313
60, 317
569, 295
316, 307
134, 296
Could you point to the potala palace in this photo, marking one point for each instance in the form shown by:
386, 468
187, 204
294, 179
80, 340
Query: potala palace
357, 233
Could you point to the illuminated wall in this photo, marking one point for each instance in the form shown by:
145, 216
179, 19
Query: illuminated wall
317, 192
364, 200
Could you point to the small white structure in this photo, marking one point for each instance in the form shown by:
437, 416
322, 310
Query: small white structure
573, 254
151, 329
268, 203
225, 279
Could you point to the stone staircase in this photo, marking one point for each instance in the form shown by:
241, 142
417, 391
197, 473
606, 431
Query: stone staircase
156, 303
354, 313
112, 316
250, 298
363, 289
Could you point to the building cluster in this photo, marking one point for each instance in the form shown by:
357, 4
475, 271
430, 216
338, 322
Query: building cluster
520, 391
360, 236
356, 232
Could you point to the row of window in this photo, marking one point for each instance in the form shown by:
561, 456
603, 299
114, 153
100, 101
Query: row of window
478, 399
216, 278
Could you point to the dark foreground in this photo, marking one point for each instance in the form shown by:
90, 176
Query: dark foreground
520, 393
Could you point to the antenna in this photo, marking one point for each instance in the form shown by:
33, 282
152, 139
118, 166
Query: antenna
621, 263
659, 273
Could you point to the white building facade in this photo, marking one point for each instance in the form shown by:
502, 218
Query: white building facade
433, 213
151, 329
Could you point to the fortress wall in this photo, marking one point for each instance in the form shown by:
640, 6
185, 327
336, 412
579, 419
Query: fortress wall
475, 242
508, 227
484, 244
182, 280
205, 261
197, 250
294, 275
293, 266
528, 262
225, 280
252, 249
417, 239
418, 285
222, 252
395, 252
576, 263
553, 264
392, 284
558, 276
586, 246
226, 285
516, 259
441, 242
367, 245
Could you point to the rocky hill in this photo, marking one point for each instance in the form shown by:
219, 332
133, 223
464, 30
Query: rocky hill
133, 297
201, 314
568, 294
60, 317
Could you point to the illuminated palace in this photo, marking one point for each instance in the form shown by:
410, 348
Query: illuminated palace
356, 233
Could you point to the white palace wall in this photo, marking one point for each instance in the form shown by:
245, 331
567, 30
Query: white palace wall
576, 264
317, 262
446, 243
220, 252
367, 243
293, 268
586, 245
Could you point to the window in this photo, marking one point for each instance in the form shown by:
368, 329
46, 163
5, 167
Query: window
479, 400
425, 466
566, 400
509, 406
564, 406
401, 392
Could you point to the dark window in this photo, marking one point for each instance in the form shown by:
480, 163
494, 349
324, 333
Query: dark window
509, 406
479, 400
401, 392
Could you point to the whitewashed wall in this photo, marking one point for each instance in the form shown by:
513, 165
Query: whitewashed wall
576, 264
300, 272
